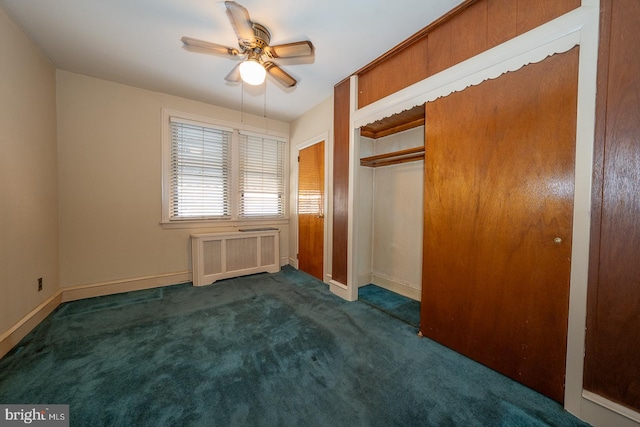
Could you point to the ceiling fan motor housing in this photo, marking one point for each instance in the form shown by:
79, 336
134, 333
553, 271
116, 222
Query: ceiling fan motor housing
263, 37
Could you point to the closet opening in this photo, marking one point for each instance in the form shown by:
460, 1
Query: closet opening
390, 214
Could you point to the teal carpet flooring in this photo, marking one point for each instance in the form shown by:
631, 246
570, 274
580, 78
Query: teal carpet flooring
263, 350
393, 304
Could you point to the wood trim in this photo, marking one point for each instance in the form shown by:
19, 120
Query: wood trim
341, 132
597, 181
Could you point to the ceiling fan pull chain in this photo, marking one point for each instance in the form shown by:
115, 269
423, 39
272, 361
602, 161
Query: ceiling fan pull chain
264, 109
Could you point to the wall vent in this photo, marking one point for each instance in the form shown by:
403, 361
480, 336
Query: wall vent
218, 256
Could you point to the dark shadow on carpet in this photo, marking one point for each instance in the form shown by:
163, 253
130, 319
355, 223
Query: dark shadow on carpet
264, 350
393, 304
90, 305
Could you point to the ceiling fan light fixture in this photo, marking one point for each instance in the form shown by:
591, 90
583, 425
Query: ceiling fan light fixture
252, 72
253, 44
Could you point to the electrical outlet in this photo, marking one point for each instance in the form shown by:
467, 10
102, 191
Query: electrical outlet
39, 284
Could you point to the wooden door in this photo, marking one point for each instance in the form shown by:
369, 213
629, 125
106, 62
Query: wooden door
499, 185
311, 210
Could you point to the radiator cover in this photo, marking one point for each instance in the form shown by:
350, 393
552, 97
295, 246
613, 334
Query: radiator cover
218, 256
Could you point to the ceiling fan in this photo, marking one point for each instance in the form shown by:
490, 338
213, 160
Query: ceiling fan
253, 42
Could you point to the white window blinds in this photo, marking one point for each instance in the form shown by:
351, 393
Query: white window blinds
200, 179
261, 176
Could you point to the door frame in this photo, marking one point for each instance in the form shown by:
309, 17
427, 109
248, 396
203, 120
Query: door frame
294, 198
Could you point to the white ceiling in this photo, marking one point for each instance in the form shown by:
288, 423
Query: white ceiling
137, 42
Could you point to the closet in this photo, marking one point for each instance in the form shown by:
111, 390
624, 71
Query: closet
506, 265
498, 220
494, 222
390, 200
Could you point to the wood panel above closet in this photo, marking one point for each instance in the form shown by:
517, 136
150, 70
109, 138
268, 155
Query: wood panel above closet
470, 29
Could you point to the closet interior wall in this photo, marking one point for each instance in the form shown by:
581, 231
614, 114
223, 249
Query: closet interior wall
390, 216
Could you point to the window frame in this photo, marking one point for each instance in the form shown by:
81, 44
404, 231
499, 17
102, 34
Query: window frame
234, 219
243, 203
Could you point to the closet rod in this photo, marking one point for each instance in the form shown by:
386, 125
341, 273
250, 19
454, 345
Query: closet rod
395, 157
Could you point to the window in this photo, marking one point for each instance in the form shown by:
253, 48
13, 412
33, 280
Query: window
261, 176
215, 170
200, 172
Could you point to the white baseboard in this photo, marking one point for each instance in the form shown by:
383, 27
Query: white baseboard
600, 411
397, 287
74, 293
12, 336
364, 279
340, 290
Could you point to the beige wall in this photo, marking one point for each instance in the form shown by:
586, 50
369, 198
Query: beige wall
110, 166
28, 176
314, 126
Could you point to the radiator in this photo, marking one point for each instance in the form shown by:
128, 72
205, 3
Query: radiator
218, 256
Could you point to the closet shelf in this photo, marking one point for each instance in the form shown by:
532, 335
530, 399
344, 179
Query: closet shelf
393, 158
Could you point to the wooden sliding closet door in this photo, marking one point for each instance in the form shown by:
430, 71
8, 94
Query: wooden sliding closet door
499, 184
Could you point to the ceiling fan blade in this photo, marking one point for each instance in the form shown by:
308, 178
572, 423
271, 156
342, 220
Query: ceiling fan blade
242, 25
202, 46
234, 75
290, 50
279, 74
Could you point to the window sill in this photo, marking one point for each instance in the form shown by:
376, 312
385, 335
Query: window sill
218, 224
